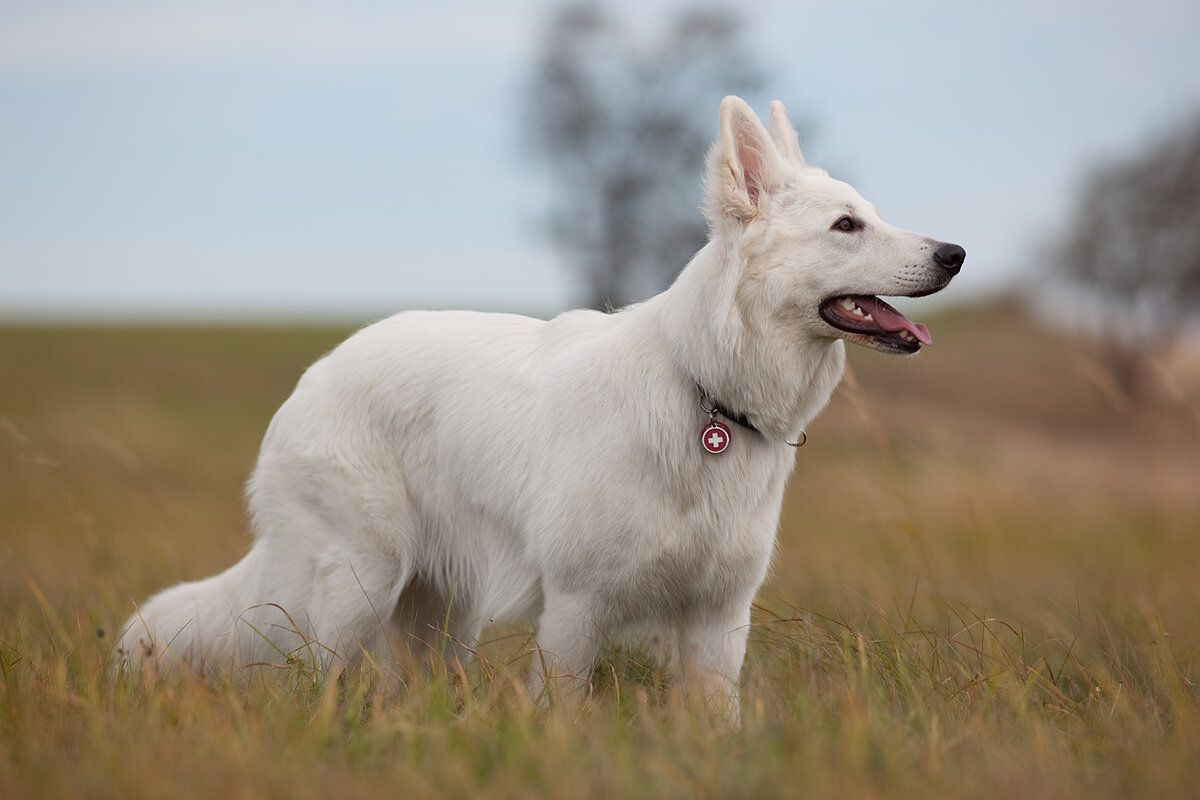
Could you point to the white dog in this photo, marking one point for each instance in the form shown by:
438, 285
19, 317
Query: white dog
440, 471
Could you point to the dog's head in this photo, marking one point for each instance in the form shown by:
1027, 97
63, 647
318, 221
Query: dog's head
814, 252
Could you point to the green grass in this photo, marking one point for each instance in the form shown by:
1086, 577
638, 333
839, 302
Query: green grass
987, 585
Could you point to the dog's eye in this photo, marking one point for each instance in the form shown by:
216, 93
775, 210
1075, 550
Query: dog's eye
845, 224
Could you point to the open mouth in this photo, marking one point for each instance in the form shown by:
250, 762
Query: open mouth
874, 323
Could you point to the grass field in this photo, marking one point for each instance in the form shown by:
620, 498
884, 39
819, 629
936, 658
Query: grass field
987, 585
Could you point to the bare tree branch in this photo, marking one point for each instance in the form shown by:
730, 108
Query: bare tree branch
622, 125
1134, 247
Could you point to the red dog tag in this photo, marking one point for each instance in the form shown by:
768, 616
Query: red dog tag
715, 437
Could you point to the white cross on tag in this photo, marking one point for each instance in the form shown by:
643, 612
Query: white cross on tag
715, 437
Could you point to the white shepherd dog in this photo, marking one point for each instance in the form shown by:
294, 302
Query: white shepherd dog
594, 473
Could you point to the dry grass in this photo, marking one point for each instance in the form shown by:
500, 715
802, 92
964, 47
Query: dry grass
987, 586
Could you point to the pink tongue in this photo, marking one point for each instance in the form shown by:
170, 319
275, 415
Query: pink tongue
892, 320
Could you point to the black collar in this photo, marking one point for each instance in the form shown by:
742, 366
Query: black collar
710, 403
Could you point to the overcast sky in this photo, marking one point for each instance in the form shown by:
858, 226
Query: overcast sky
357, 157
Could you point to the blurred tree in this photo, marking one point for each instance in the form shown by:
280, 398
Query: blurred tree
623, 125
1134, 248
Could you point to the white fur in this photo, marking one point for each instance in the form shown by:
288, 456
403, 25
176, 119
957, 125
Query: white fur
446, 470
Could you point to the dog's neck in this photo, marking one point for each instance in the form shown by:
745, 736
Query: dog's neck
714, 405
777, 376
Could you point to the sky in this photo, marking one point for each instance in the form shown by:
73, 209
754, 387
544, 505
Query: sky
297, 158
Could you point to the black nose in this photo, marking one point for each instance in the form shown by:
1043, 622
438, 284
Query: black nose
950, 256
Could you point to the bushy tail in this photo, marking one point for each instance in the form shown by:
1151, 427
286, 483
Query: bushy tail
199, 624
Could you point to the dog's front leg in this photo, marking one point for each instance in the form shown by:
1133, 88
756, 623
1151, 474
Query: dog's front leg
708, 660
567, 643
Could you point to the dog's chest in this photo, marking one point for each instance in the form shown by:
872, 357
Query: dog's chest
701, 545
697, 568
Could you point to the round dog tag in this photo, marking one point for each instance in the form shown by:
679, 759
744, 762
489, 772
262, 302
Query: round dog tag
715, 437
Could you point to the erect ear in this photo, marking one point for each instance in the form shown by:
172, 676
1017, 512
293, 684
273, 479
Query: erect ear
748, 162
784, 134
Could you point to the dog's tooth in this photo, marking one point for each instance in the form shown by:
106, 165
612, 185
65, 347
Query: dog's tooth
849, 304
868, 318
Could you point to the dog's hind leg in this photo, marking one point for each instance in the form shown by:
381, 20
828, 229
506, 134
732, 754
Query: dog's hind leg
350, 601
337, 557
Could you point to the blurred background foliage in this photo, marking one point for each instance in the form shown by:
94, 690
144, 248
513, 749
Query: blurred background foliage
1132, 249
621, 121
